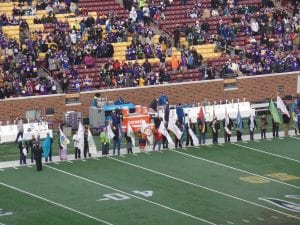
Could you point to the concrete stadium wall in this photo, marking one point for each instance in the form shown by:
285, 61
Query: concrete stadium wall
256, 88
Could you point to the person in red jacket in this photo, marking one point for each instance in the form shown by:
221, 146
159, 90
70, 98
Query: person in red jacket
157, 139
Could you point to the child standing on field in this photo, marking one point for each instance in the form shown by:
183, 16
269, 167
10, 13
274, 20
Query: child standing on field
129, 144
142, 141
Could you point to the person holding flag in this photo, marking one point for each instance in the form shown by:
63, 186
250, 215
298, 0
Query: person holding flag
130, 139
239, 126
285, 115
227, 125
276, 120
202, 126
76, 145
63, 142
252, 125
47, 148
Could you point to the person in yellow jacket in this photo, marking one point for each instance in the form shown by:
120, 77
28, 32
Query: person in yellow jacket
104, 139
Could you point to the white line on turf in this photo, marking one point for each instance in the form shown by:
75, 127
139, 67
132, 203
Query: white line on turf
29, 166
1, 169
16, 168
69, 161
236, 169
207, 188
268, 153
131, 195
246, 221
295, 138
261, 219
57, 163
229, 222
54, 203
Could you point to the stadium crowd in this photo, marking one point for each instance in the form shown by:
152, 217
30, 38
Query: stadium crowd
272, 44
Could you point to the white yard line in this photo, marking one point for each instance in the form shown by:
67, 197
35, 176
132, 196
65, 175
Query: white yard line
236, 169
54, 203
295, 138
131, 195
208, 189
268, 153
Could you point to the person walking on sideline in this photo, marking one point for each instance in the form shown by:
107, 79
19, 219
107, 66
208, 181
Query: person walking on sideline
263, 126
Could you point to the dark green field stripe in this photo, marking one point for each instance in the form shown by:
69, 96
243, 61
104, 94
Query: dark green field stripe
194, 200
35, 211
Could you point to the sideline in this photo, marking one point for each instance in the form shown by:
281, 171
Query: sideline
54, 203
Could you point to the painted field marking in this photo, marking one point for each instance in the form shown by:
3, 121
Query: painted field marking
69, 161
95, 158
135, 154
221, 145
83, 160
246, 221
16, 168
2, 169
268, 153
236, 169
161, 152
148, 153
208, 146
29, 166
261, 219
275, 217
4, 156
132, 195
229, 222
295, 138
246, 142
54, 203
208, 189
56, 163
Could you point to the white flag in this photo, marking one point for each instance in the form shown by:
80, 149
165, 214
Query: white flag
130, 134
146, 129
173, 127
163, 130
63, 140
282, 107
110, 133
194, 137
91, 143
81, 137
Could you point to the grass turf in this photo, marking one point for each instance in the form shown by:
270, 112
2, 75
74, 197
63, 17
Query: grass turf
187, 188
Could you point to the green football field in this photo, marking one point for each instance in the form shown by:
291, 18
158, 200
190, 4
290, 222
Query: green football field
251, 183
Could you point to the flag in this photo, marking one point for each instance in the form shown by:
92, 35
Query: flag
80, 137
146, 129
175, 129
201, 114
239, 121
163, 130
46, 145
110, 132
282, 107
91, 143
194, 137
63, 140
274, 112
130, 134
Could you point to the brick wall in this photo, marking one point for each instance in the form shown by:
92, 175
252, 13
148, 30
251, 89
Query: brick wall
256, 88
